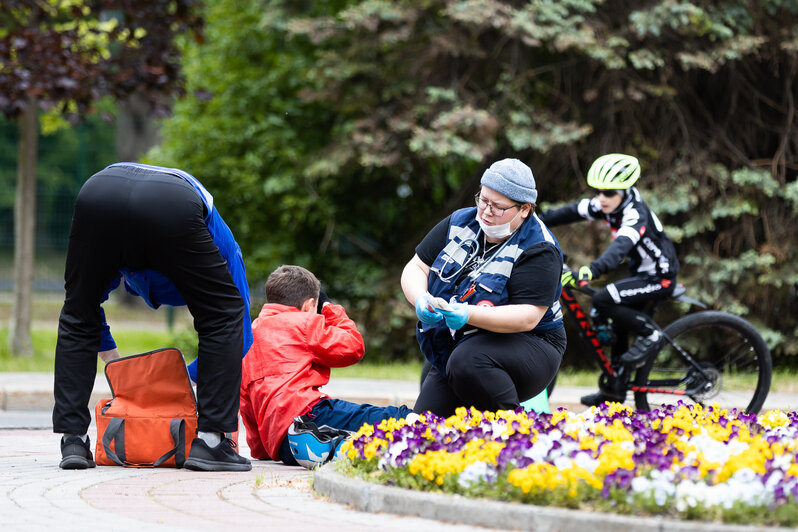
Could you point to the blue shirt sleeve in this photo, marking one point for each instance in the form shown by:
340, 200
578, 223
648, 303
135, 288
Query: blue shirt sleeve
106, 340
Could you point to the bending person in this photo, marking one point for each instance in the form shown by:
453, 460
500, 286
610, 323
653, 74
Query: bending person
485, 283
157, 229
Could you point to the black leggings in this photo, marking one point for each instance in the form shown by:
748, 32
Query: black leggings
138, 219
624, 301
493, 371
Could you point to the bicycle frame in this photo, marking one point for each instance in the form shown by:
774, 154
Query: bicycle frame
590, 338
586, 331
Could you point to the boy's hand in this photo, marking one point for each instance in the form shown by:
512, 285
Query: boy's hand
323, 298
425, 309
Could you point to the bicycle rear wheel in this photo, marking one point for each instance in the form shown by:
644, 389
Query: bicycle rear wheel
734, 361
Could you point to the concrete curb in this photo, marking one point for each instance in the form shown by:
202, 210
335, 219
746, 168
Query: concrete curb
34, 391
457, 509
21, 391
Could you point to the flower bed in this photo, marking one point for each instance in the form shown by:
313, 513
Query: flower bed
681, 461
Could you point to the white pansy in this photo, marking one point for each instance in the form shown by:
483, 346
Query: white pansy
659, 486
540, 449
774, 478
474, 473
389, 459
585, 461
562, 462
498, 430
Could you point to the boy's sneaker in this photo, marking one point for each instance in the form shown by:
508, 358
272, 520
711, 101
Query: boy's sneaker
223, 457
639, 351
76, 453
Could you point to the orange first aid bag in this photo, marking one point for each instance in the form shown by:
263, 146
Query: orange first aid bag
152, 418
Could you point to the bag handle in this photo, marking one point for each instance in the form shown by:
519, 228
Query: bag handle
115, 432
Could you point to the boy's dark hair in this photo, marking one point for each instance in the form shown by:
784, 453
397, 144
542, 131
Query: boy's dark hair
291, 285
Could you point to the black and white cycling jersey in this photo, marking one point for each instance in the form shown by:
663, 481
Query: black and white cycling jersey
636, 231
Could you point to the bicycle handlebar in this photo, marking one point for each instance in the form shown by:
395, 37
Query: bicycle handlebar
583, 287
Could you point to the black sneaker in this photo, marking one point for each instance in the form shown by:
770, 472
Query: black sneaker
639, 351
600, 397
223, 457
76, 453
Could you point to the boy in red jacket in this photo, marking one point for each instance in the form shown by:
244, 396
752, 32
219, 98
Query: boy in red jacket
298, 336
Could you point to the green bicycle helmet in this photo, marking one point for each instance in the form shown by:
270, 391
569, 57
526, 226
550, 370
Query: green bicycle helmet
614, 171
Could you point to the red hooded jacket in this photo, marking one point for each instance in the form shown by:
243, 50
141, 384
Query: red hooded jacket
290, 359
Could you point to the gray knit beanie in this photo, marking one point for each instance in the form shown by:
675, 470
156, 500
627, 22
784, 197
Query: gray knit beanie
512, 178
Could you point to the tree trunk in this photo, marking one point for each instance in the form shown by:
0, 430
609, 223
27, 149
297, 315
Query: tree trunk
136, 130
24, 232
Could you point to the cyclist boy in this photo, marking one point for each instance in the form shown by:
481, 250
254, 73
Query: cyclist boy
638, 235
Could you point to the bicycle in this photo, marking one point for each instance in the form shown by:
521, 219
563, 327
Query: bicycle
707, 356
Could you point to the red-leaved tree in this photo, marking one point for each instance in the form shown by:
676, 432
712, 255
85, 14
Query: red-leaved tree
65, 55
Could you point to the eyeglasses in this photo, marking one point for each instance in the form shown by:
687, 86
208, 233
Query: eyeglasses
496, 210
609, 193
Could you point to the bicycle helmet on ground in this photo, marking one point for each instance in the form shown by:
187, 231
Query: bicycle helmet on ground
313, 446
614, 171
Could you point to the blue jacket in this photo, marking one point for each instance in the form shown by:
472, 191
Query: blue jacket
156, 290
489, 286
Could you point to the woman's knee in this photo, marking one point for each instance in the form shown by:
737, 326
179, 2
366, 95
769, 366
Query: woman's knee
463, 369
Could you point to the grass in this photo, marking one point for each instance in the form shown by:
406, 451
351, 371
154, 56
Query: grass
44, 339
402, 371
136, 336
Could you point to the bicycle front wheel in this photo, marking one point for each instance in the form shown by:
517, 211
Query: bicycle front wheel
713, 357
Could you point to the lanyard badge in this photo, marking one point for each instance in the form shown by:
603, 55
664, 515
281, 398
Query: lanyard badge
468, 293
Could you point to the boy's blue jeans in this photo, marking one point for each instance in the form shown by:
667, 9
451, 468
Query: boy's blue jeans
341, 414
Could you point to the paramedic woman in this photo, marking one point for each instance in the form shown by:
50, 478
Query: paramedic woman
485, 283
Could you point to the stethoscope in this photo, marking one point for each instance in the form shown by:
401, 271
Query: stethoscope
473, 245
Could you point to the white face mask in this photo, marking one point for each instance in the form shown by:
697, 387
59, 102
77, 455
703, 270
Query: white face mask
496, 231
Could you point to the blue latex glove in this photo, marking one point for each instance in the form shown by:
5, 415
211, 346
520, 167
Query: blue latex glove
457, 316
425, 311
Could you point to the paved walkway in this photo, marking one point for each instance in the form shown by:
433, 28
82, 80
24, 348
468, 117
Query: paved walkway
36, 495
